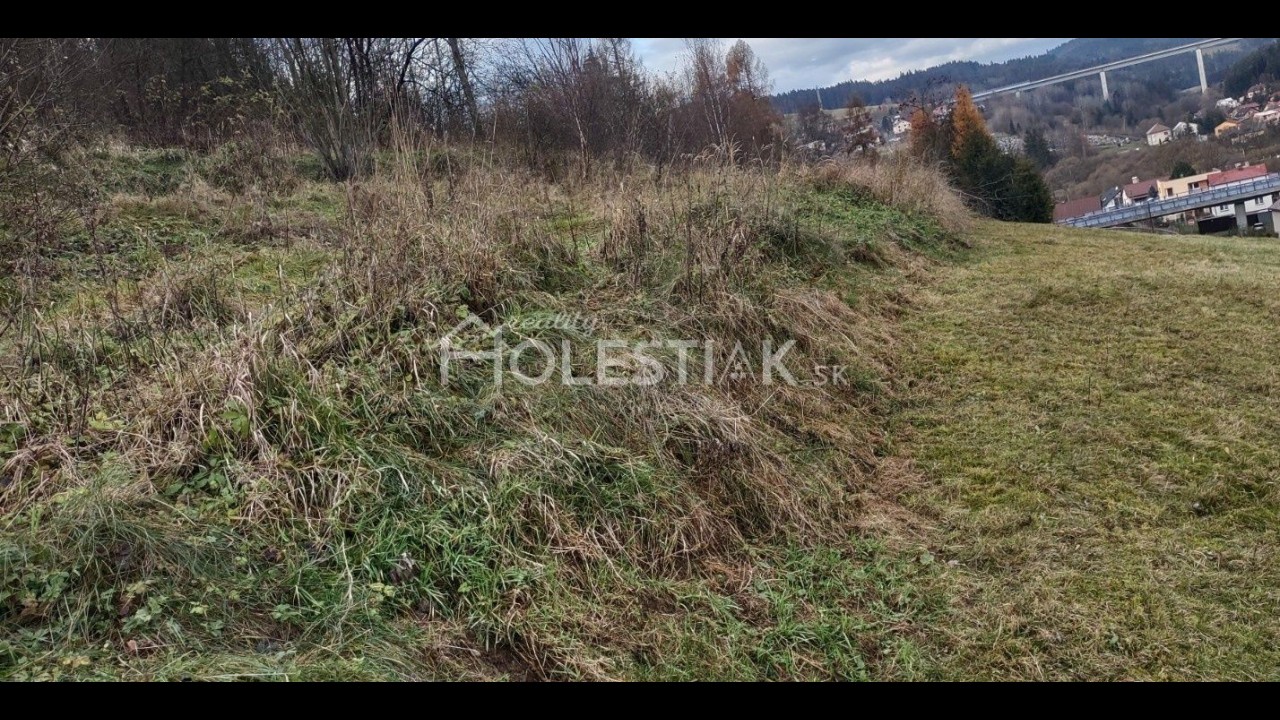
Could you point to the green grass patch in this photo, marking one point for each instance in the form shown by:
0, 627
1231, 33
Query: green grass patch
1095, 414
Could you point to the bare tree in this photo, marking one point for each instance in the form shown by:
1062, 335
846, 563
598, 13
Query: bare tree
729, 91
40, 188
858, 128
464, 81
342, 92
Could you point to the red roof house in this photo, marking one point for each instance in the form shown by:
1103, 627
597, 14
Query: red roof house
1236, 175
1140, 190
1076, 208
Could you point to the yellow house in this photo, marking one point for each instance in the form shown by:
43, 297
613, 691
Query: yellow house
1226, 127
1175, 187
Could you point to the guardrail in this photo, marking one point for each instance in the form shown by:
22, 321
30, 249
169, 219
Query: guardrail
1221, 195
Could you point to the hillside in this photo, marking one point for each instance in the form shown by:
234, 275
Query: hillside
1072, 55
231, 446
1260, 66
229, 450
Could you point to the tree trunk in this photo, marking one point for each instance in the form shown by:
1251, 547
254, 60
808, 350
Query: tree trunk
464, 79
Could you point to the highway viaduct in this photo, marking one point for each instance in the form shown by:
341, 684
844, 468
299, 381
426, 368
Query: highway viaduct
1101, 70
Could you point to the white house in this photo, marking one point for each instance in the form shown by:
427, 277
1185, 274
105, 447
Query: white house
1241, 174
1266, 117
1112, 199
1228, 104
901, 126
1251, 207
1186, 128
1159, 135
1139, 191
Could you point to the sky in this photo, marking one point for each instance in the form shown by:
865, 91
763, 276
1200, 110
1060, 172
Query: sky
818, 62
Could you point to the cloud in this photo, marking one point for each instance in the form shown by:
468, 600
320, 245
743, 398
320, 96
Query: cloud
814, 62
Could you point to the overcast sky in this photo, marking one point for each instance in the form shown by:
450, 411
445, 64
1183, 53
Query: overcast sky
815, 62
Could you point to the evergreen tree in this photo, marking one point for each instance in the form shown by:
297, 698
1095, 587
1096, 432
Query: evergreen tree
1030, 199
1036, 147
1000, 185
1213, 117
1182, 169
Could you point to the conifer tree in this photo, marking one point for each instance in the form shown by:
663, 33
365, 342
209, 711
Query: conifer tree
966, 120
1000, 185
1036, 148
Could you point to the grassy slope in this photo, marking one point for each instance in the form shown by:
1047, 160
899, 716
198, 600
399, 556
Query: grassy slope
226, 452
1096, 417
225, 457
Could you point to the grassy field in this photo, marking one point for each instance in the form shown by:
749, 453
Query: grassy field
1093, 421
226, 451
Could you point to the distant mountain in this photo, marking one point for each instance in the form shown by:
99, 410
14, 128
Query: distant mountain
1072, 55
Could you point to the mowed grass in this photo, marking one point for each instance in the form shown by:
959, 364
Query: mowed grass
1095, 419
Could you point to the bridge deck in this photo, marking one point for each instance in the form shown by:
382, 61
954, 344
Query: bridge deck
1222, 195
1115, 65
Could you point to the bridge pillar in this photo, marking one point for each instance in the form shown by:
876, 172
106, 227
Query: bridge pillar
1242, 219
1106, 94
1204, 84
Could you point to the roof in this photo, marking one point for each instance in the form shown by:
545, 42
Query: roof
1110, 195
1157, 128
1076, 208
1276, 207
1142, 188
1230, 176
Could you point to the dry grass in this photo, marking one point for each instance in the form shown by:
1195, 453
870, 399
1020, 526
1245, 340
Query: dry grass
226, 450
902, 182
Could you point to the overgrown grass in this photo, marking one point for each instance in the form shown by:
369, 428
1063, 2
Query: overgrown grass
226, 450
1093, 424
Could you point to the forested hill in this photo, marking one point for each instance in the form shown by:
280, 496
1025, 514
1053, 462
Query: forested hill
1072, 55
1262, 65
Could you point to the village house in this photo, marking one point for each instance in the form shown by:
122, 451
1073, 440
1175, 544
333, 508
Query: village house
1177, 187
1184, 128
1113, 199
1228, 104
1226, 128
1266, 117
1159, 135
1075, 208
1244, 112
1240, 174
901, 126
1140, 191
